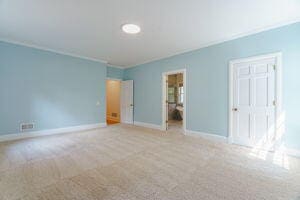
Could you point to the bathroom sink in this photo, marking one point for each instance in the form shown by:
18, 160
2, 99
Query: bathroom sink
180, 109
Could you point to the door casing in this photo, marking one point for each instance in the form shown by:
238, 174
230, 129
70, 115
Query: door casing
279, 115
164, 97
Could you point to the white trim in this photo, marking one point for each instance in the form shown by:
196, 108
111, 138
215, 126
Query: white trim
215, 138
147, 125
292, 152
278, 90
114, 66
210, 136
208, 44
113, 79
223, 139
164, 93
51, 50
258, 30
23, 135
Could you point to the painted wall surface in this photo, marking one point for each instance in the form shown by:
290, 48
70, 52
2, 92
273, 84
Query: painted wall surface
49, 89
113, 72
113, 89
207, 81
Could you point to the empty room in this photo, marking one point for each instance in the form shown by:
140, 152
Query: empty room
150, 100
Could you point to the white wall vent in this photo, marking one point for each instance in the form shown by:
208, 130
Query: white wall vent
26, 126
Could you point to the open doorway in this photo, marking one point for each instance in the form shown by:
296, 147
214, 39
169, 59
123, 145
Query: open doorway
174, 103
113, 111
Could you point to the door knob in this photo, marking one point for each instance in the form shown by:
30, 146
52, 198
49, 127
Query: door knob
234, 109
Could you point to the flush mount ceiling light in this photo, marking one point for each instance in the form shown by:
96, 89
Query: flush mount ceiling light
131, 28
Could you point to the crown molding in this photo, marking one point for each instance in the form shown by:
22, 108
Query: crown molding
255, 31
226, 39
114, 66
51, 50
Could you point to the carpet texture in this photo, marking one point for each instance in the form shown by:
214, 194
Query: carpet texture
130, 163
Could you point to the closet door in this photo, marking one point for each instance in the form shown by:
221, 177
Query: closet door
127, 102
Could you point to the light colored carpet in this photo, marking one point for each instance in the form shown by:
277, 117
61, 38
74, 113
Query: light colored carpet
125, 162
175, 125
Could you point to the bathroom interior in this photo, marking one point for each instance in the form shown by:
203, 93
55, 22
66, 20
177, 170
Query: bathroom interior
175, 101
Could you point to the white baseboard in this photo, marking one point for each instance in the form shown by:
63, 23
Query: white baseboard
212, 137
292, 152
22, 135
209, 136
147, 125
286, 150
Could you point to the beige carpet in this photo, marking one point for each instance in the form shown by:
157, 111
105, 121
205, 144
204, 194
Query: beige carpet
125, 162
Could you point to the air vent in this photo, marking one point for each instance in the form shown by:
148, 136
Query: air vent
114, 114
26, 126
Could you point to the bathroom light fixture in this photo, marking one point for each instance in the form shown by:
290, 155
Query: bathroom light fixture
131, 28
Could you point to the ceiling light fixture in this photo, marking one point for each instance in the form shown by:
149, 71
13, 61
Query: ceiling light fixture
131, 28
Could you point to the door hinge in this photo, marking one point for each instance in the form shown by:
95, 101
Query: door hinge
167, 121
274, 103
167, 101
274, 67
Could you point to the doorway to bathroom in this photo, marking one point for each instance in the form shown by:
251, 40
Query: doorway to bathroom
174, 100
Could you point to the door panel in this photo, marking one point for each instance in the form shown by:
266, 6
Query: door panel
244, 70
253, 96
127, 102
243, 125
260, 127
261, 88
261, 68
244, 92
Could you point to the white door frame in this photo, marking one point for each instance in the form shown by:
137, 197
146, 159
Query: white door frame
278, 90
113, 79
164, 97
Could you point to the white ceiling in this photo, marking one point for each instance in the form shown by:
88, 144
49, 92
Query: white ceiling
92, 28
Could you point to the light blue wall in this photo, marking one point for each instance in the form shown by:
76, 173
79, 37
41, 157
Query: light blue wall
49, 89
113, 72
207, 86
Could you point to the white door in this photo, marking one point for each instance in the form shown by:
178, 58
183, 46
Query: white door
254, 102
127, 102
